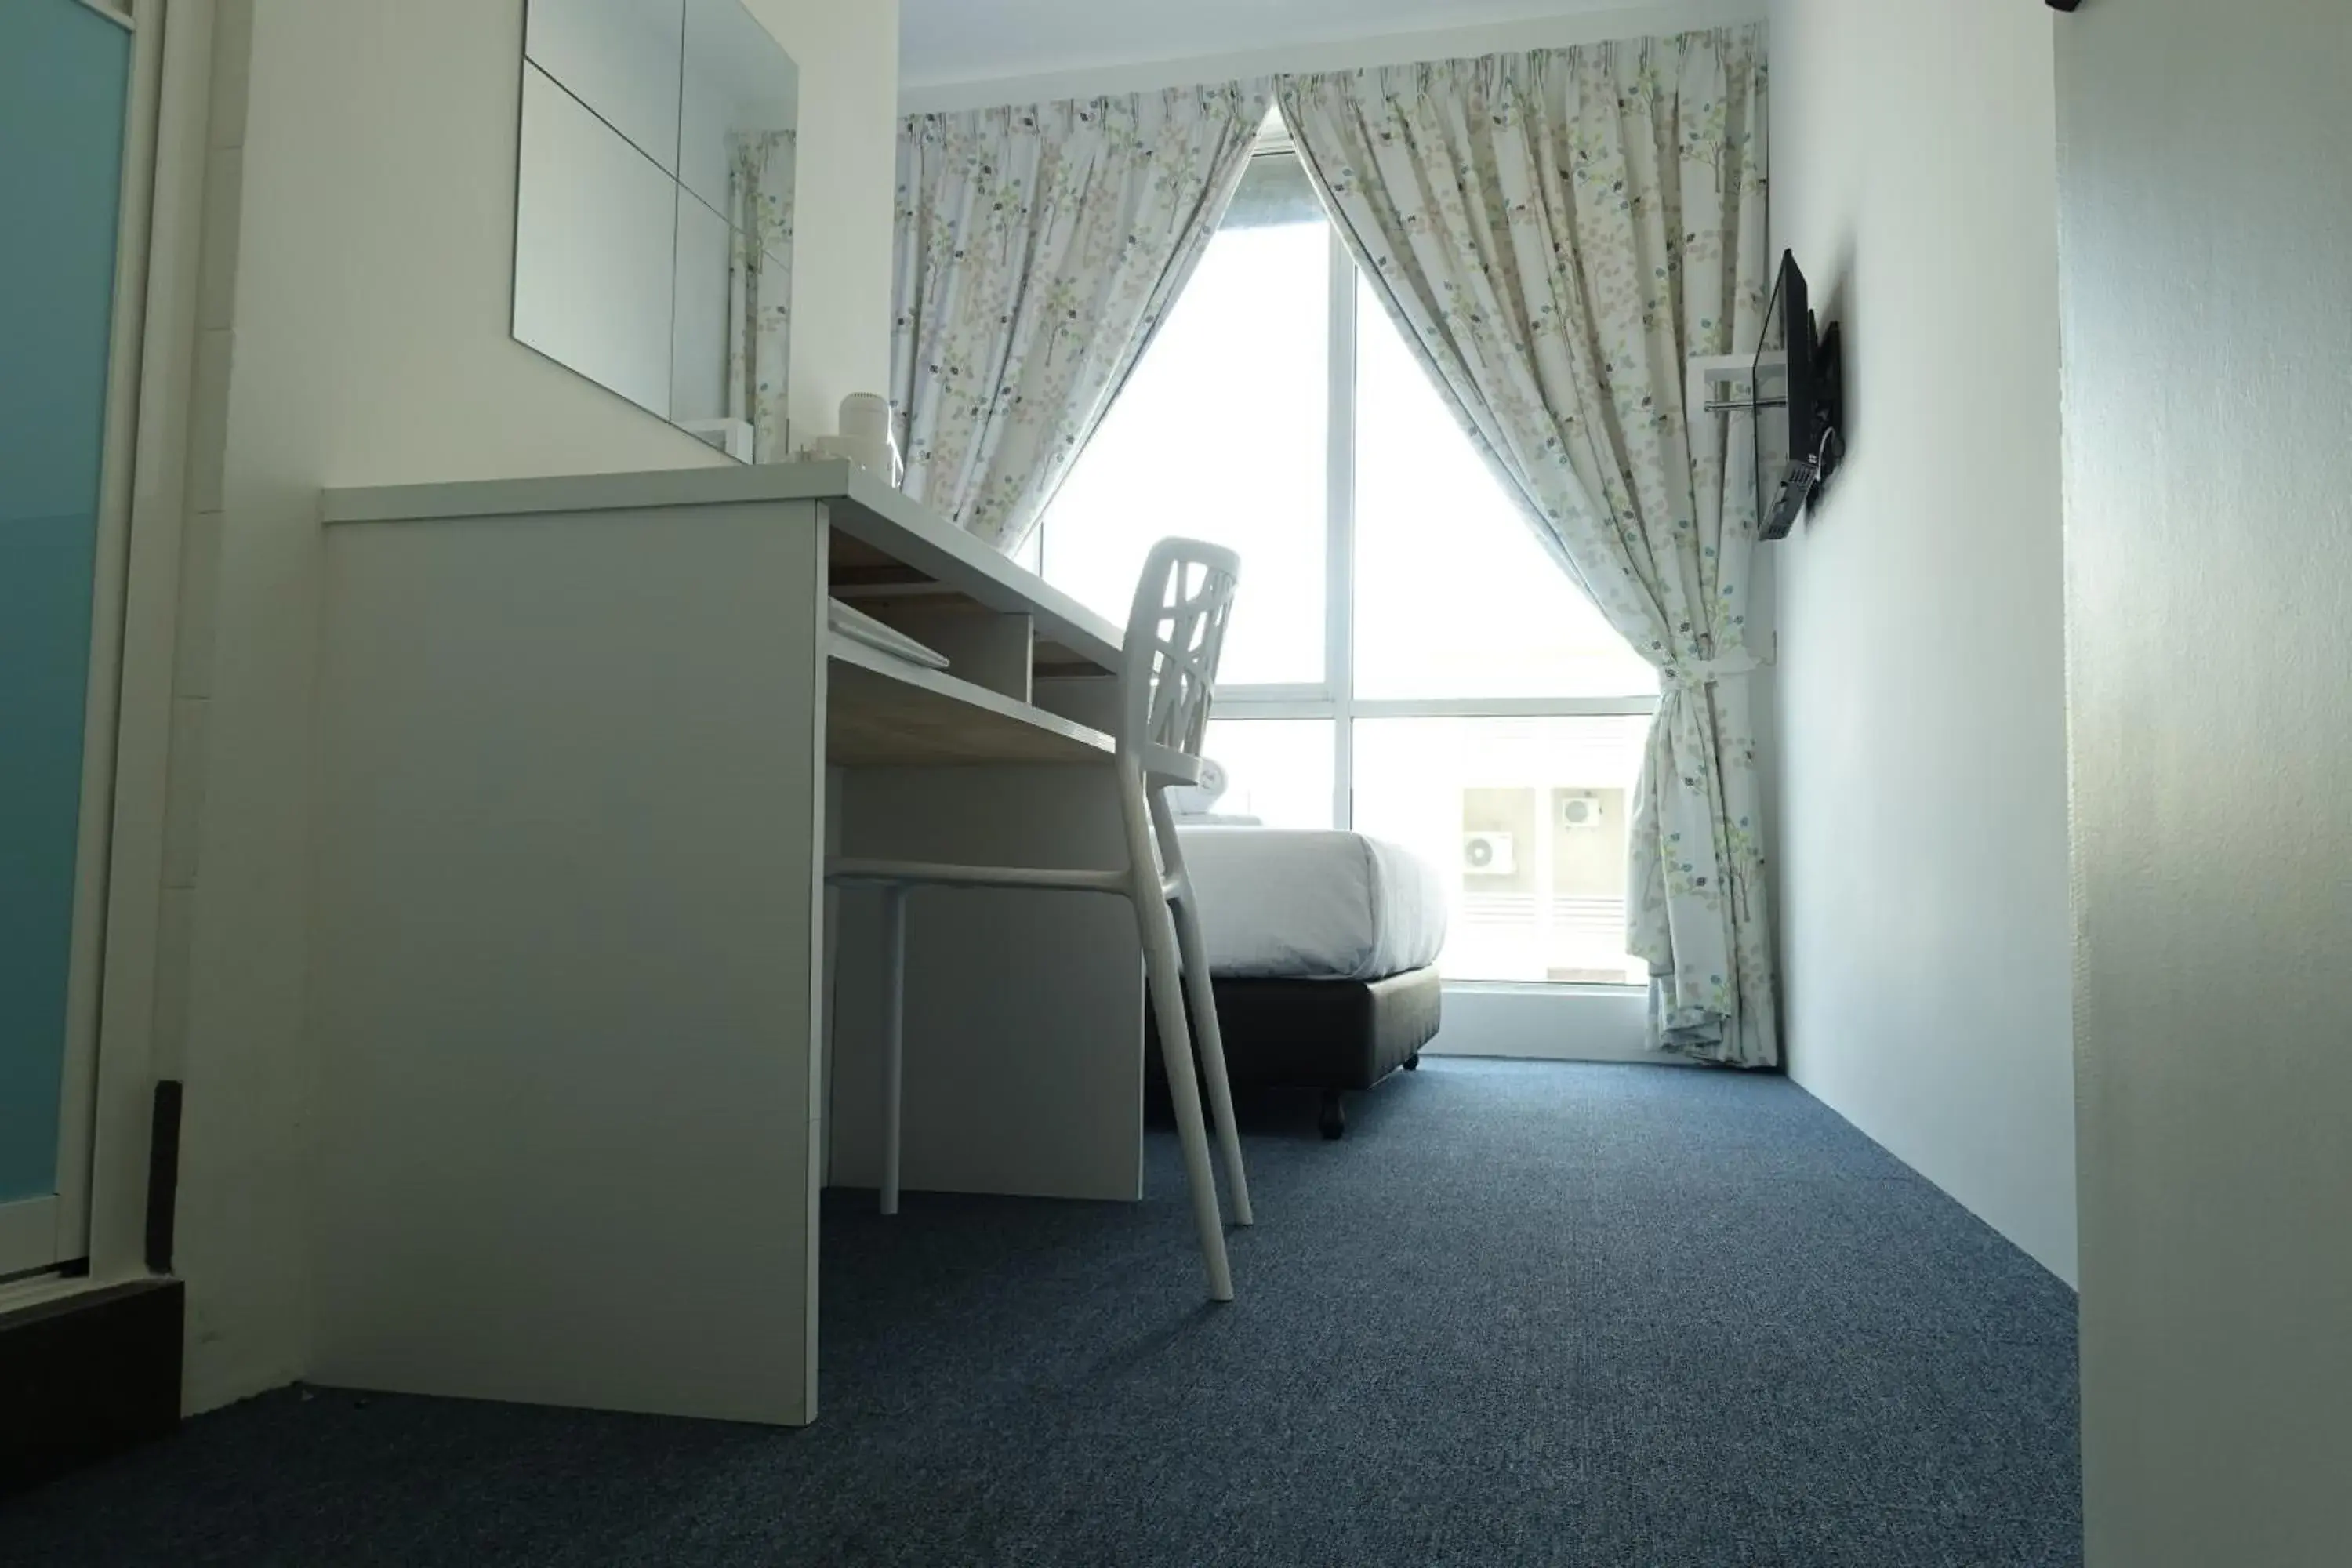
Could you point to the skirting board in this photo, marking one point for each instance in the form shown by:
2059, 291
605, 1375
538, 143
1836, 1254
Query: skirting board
85, 1376
1548, 1022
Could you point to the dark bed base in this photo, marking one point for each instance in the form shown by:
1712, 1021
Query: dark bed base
1330, 1035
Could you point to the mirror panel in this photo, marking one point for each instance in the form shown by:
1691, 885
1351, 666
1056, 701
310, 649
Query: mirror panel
739, 99
704, 298
659, 262
621, 59
594, 262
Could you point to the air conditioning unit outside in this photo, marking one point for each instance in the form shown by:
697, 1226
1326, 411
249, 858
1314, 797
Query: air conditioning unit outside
1581, 812
1487, 854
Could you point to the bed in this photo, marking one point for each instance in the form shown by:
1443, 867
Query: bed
1323, 950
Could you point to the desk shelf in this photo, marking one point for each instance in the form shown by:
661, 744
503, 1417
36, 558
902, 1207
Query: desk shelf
882, 711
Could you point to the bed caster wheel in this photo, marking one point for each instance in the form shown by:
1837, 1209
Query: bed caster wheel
1412, 1062
1334, 1119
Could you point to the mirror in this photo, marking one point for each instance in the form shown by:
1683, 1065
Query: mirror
620, 58
654, 209
739, 110
594, 270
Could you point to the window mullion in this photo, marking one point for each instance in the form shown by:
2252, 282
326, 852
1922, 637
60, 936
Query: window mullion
1339, 493
1246, 709
1505, 707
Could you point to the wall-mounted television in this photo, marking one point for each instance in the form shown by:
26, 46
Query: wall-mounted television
1816, 404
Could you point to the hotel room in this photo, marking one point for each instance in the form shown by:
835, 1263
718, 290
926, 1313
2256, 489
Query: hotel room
1070, 781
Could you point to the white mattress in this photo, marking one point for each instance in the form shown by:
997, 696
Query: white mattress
1312, 904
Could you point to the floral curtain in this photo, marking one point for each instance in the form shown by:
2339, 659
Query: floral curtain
1037, 249
760, 285
1559, 232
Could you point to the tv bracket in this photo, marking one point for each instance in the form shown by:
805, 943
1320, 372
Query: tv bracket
1750, 383
1726, 383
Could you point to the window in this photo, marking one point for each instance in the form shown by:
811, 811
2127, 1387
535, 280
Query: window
1531, 814
1406, 657
1222, 434
1279, 770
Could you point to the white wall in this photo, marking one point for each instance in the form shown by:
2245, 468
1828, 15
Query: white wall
361, 330
956, 40
1550, 1023
2206, 221
1921, 771
847, 174
1156, 54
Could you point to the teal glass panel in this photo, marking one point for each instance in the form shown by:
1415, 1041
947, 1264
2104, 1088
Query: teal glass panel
64, 74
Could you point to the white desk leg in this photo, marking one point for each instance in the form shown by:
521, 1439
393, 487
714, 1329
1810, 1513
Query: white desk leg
894, 1036
822, 1101
565, 984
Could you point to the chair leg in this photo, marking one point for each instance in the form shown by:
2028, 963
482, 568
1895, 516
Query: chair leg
1202, 992
1194, 949
894, 1035
1163, 968
1183, 1088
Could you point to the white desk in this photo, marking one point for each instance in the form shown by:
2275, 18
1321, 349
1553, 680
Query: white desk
584, 745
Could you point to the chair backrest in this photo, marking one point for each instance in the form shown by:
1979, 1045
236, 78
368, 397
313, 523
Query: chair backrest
1175, 635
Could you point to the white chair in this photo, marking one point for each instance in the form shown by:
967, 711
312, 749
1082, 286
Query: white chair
1167, 668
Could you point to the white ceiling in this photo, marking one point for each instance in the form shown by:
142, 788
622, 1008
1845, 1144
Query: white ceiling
943, 41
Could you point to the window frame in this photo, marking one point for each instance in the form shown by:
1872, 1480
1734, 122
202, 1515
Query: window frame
1334, 697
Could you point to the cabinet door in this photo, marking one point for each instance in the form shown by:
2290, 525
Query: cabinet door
64, 74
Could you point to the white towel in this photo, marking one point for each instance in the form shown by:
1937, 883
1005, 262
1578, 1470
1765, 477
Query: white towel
1200, 799
862, 627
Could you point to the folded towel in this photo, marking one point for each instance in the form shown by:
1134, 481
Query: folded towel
865, 629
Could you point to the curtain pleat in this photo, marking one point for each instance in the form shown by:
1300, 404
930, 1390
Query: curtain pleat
1558, 233
1037, 250
759, 284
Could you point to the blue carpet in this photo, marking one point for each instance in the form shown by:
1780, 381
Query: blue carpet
1524, 1314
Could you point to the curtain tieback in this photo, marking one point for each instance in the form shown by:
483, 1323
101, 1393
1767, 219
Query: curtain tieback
1690, 674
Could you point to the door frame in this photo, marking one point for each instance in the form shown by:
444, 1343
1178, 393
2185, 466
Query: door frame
97, 1217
